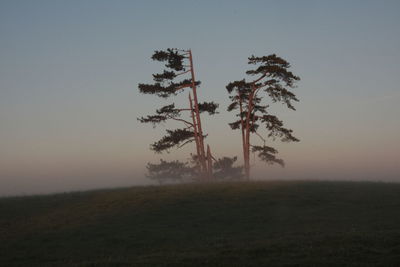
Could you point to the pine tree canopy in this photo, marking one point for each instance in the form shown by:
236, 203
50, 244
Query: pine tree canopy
164, 85
276, 129
278, 79
272, 79
168, 170
173, 57
177, 137
165, 89
209, 107
267, 154
224, 169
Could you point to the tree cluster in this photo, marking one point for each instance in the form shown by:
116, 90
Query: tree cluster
271, 79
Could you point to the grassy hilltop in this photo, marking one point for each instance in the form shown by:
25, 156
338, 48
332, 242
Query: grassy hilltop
224, 224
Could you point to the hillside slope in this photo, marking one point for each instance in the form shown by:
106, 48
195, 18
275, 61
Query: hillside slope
226, 224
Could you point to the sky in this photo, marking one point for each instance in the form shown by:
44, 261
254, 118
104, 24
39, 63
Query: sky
69, 100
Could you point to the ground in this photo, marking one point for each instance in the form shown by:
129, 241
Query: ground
217, 224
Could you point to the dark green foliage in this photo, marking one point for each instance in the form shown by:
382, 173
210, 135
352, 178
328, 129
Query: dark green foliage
178, 137
162, 114
224, 169
280, 94
235, 125
273, 67
272, 79
242, 87
154, 119
233, 106
164, 85
259, 114
165, 89
165, 172
267, 154
276, 129
278, 79
173, 57
218, 224
168, 110
168, 171
209, 107
166, 75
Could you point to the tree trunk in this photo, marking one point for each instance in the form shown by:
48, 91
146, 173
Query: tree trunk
243, 129
209, 162
202, 154
196, 133
247, 134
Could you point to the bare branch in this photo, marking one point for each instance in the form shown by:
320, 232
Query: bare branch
262, 138
182, 87
187, 142
259, 79
182, 120
182, 73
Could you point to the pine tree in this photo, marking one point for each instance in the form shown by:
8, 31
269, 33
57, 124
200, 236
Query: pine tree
271, 79
224, 169
166, 171
178, 75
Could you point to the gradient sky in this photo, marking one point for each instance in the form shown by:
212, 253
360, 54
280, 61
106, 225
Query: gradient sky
69, 72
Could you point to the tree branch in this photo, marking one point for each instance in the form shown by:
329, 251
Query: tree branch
259, 79
182, 87
262, 138
182, 73
187, 142
182, 120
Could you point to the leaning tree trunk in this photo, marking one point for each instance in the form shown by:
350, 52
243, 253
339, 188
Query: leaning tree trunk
195, 131
198, 131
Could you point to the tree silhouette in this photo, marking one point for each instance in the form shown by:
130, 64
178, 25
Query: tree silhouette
169, 83
177, 171
272, 79
172, 170
224, 169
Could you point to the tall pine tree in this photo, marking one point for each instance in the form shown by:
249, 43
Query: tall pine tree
178, 76
272, 80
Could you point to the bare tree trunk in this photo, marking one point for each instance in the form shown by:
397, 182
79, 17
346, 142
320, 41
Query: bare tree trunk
202, 156
209, 161
247, 153
247, 133
196, 133
244, 127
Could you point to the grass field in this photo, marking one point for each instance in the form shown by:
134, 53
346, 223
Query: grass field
221, 224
